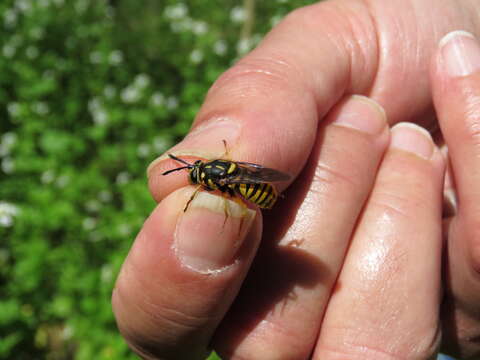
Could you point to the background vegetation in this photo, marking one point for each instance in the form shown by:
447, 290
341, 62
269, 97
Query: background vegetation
90, 92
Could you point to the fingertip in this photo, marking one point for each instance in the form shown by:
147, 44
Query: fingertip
209, 235
460, 53
414, 139
161, 185
183, 271
210, 224
360, 113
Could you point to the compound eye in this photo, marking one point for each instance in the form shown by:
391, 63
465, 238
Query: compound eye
193, 176
198, 162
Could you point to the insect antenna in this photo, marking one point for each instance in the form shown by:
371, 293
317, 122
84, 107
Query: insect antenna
188, 165
180, 160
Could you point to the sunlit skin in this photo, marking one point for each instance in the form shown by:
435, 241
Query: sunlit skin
349, 264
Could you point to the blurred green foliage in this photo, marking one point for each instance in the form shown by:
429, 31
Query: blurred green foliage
90, 92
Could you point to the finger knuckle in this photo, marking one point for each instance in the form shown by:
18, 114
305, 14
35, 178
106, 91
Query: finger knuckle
398, 204
259, 75
330, 175
416, 349
329, 180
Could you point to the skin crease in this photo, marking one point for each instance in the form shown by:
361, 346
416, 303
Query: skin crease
381, 49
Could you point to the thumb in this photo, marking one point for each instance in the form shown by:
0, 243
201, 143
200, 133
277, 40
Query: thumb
182, 274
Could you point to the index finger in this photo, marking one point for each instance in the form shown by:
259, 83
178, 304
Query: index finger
268, 105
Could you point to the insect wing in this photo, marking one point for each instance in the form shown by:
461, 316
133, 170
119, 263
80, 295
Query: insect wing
255, 174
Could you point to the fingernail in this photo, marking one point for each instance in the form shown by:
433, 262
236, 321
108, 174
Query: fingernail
205, 140
361, 113
412, 138
460, 52
210, 233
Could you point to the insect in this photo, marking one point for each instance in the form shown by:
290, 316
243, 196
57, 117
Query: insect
250, 181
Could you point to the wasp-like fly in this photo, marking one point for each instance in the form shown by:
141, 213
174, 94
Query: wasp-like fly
251, 181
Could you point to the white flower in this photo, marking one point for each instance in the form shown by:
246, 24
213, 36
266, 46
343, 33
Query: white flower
44, 3
130, 94
41, 108
93, 205
143, 150
124, 229
8, 165
81, 6
47, 177
105, 195
176, 11
123, 178
7, 141
89, 223
23, 5
183, 25
9, 138
243, 46
96, 109
256, 38
196, 56
13, 109
6, 221
115, 57
238, 14
94, 104
100, 117
10, 18
199, 27
172, 103
141, 80
9, 50
275, 20
95, 57
106, 273
8, 212
67, 331
62, 181
157, 99
220, 47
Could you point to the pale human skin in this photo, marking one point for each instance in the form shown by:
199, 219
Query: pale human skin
350, 261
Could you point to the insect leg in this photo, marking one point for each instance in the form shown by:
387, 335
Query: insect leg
239, 201
227, 189
227, 212
192, 197
226, 153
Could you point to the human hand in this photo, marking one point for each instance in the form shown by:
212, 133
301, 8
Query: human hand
303, 292
456, 88
267, 107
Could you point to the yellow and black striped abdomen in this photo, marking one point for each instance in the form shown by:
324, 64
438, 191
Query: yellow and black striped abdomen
262, 194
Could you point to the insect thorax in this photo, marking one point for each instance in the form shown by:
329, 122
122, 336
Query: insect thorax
213, 174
